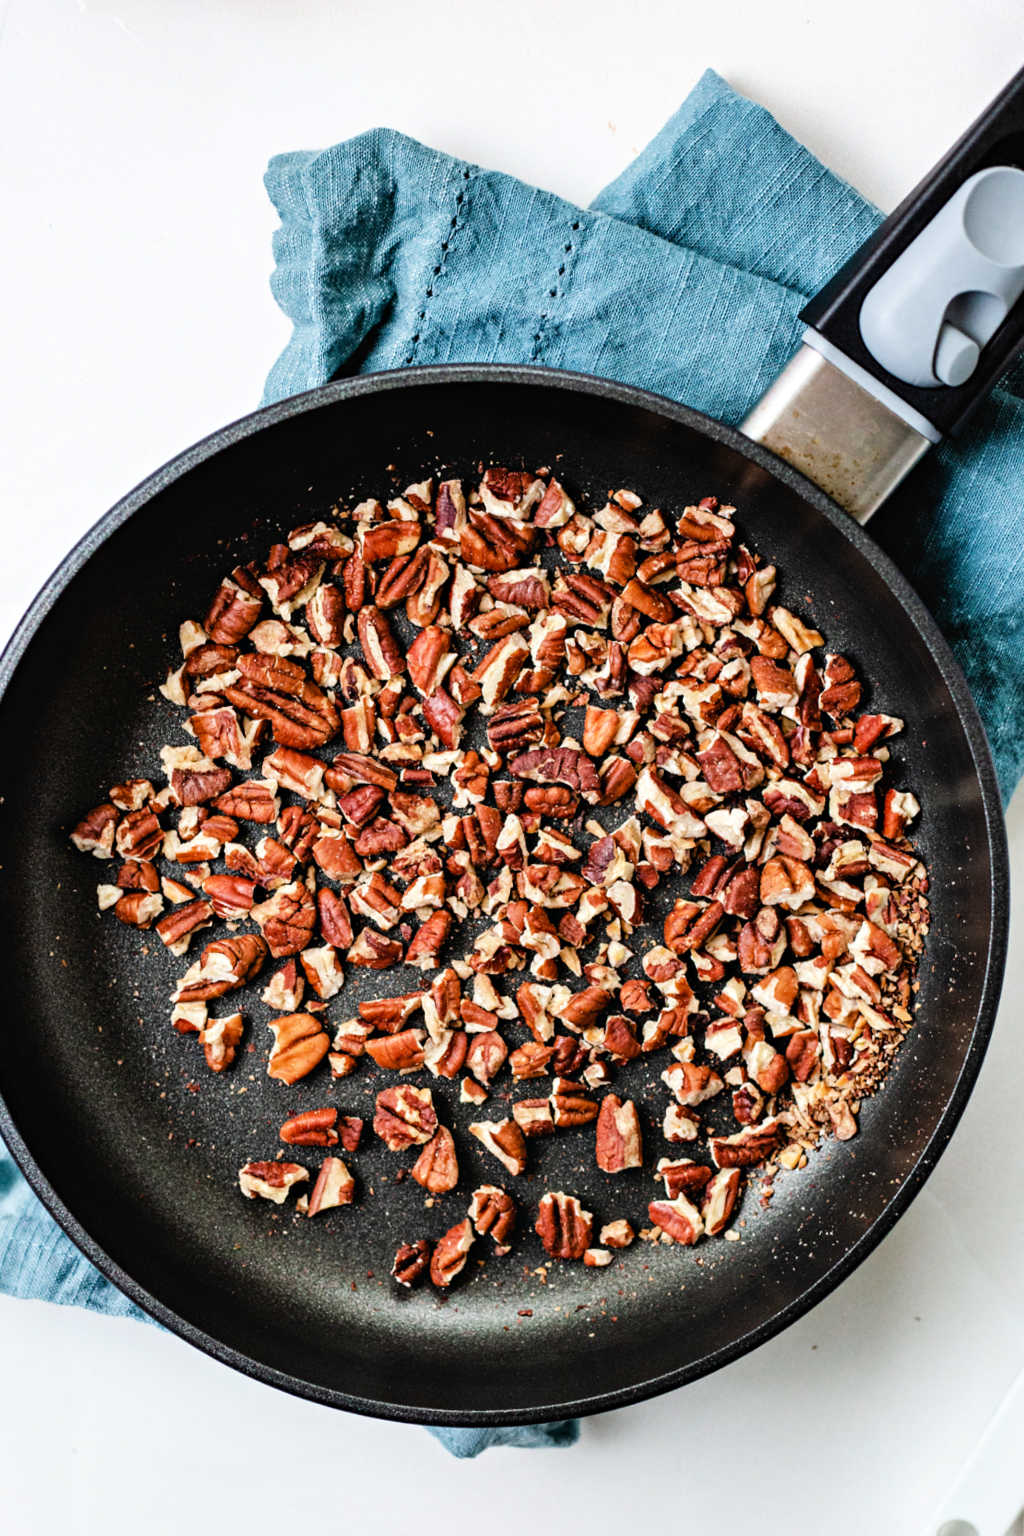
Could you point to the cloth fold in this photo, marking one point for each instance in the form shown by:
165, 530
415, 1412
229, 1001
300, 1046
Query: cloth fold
686, 276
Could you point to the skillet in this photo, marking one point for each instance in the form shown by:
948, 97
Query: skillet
97, 1101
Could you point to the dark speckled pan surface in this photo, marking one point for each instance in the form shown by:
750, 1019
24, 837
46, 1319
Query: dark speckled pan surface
140, 1168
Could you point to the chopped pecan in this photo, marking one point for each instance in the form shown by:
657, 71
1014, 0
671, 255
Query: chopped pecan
437, 1167
719, 1201
505, 1140
680, 1220
220, 1039
411, 1263
534, 1117
225, 965
399, 1052
493, 1211
177, 928
311, 1128
563, 1226
405, 1117
380, 648
95, 832
299, 1045
270, 1181
287, 919
570, 1105
450, 1254
334, 1186
276, 689
618, 1144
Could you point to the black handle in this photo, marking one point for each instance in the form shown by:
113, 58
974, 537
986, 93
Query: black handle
996, 138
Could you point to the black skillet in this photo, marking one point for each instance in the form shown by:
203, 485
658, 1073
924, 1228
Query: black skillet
98, 1105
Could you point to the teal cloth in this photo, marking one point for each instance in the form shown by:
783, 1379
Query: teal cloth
685, 276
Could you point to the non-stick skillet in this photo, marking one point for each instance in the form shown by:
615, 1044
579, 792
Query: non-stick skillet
98, 1102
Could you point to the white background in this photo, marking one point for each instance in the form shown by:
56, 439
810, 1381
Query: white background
135, 256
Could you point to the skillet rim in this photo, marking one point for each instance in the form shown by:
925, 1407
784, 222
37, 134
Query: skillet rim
970, 721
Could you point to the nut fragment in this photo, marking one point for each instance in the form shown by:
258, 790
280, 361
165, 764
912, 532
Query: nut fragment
563, 1226
270, 1181
437, 1167
299, 1045
492, 1210
505, 1140
450, 1254
618, 1144
411, 1263
678, 1218
311, 1128
405, 1117
334, 1186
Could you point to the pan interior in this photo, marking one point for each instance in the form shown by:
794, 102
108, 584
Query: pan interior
105, 1095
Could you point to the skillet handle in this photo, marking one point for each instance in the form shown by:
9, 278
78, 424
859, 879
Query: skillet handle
915, 329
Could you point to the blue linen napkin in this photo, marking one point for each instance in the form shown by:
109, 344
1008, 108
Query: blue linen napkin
685, 276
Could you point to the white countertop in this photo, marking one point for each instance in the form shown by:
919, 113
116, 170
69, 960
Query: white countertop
134, 262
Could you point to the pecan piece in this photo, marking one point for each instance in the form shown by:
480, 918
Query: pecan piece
618, 1145
570, 1106
400, 1052
270, 1181
311, 1128
299, 1045
450, 1254
225, 965
334, 1186
276, 689
563, 1226
505, 1140
678, 1218
534, 1117
426, 945
220, 1039
236, 606
492, 1210
751, 1145
437, 1167
177, 928
380, 648
411, 1262
287, 919
719, 1200
95, 832
374, 950
137, 909
405, 1117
